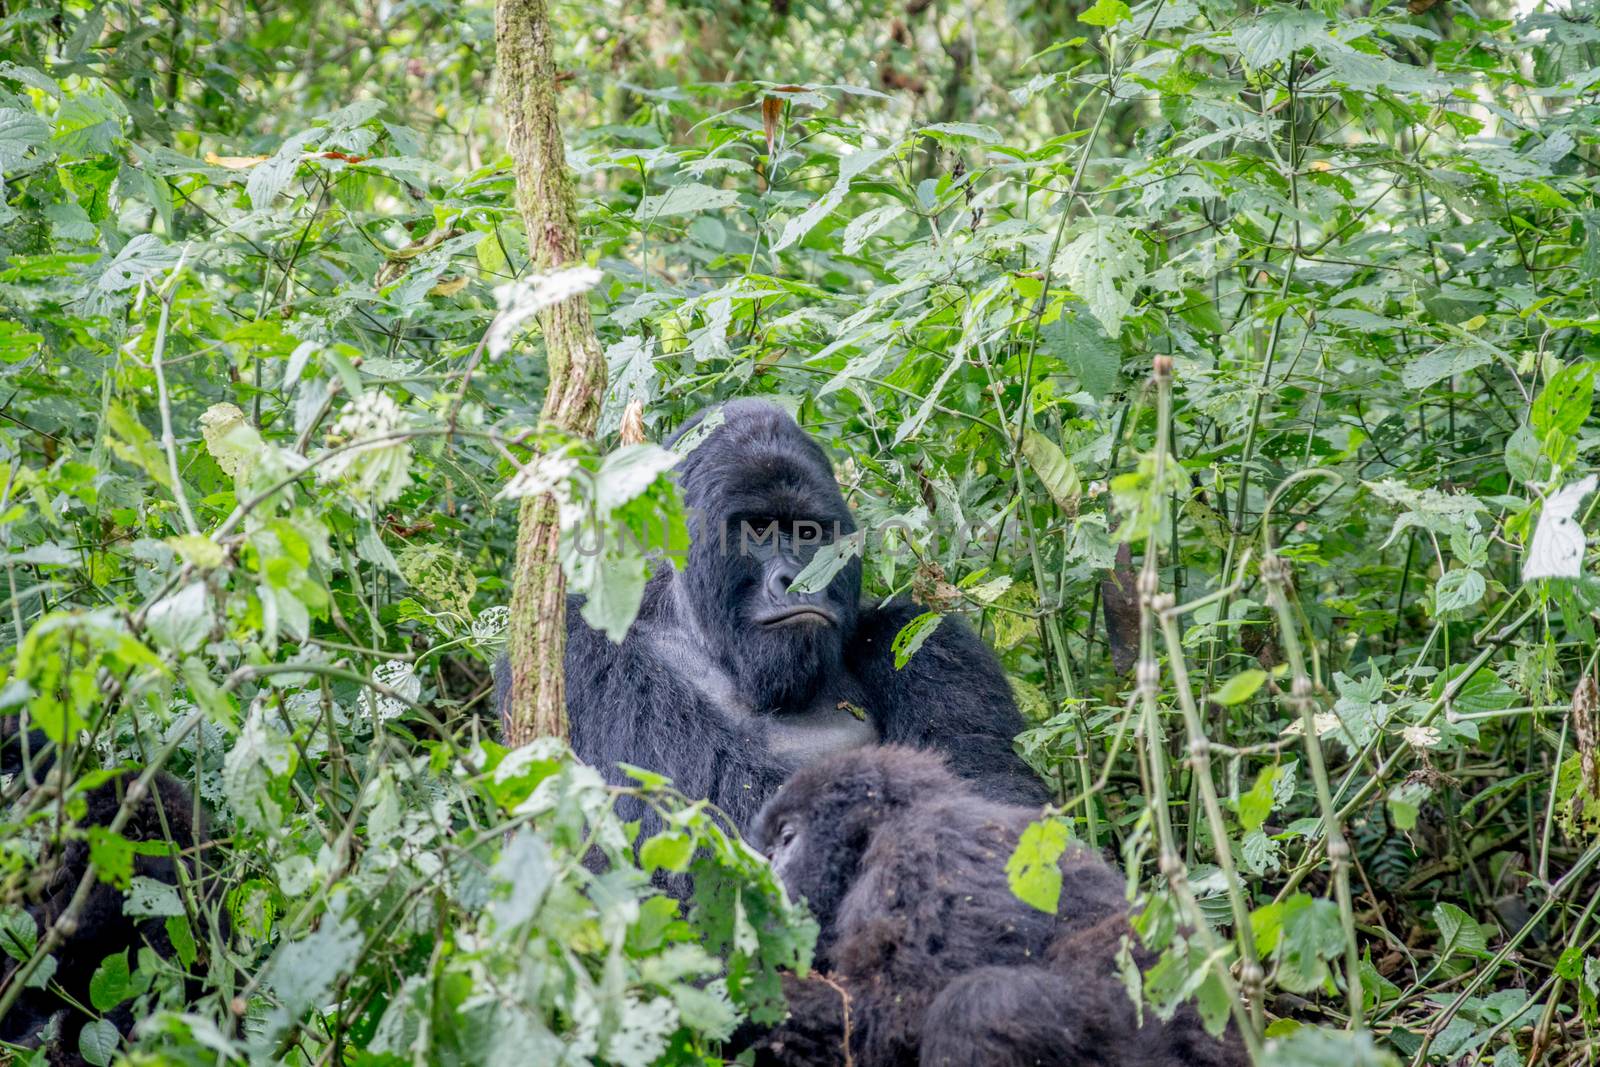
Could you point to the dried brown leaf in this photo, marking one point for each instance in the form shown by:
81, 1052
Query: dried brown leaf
234, 162
631, 432
771, 111
1119, 602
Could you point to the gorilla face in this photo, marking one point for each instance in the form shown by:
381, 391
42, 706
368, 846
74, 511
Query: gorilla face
765, 501
817, 828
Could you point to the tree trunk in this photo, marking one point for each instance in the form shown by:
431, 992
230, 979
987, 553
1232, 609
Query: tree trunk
537, 704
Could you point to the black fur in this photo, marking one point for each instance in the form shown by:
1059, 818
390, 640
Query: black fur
101, 930
903, 865
727, 707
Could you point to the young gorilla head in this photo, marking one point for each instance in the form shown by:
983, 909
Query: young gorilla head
764, 500
818, 826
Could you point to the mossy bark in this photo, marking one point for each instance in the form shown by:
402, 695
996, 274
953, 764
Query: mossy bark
527, 98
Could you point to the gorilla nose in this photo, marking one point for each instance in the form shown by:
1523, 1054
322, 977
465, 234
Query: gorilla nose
789, 607
780, 577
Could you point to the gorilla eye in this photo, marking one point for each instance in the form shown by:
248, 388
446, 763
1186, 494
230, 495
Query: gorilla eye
786, 834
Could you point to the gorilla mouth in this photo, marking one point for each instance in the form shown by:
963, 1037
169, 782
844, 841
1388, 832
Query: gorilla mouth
800, 615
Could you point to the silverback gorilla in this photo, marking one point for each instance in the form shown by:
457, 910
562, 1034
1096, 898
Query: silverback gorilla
903, 866
728, 681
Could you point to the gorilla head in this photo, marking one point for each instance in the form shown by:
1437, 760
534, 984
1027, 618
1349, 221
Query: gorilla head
764, 500
818, 826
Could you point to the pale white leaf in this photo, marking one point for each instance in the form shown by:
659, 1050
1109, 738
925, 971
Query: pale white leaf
526, 297
181, 620
1557, 547
867, 224
151, 897
396, 675
1104, 265
688, 199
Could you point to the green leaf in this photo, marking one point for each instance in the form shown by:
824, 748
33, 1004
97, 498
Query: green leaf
830, 559
690, 198
272, 177
1034, 869
112, 855
1458, 589
1240, 687
43, 974
1104, 265
962, 131
1458, 931
1522, 454
629, 472
181, 621
524, 871
1316, 1046
1256, 805
1092, 357
1200, 310
1312, 934
1277, 34
305, 970
1260, 853
911, 636
630, 375
1266, 923
1446, 361
17, 343
149, 897
1106, 13
1484, 691
112, 983
868, 224
1055, 470
20, 133
668, 850
19, 933
850, 166
1405, 803
97, 1042
182, 939
143, 259
1563, 405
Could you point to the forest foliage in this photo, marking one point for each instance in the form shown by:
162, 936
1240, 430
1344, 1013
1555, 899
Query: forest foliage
1287, 311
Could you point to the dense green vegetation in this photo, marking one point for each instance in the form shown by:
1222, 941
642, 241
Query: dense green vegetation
1286, 311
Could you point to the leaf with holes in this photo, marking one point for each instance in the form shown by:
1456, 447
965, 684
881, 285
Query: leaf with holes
1034, 870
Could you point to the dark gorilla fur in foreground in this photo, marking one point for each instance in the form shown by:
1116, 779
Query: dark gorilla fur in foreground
101, 929
903, 866
728, 681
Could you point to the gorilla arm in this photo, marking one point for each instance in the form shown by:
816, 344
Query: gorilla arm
647, 702
951, 697
813, 1035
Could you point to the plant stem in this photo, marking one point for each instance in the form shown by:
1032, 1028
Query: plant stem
1276, 575
1154, 604
169, 443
